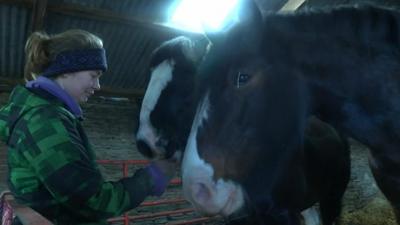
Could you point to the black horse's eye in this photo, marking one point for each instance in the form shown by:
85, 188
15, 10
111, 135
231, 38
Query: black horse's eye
242, 79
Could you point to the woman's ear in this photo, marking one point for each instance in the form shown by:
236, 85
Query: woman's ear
59, 81
66, 75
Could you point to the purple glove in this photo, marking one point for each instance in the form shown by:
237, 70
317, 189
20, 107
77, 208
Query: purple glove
160, 180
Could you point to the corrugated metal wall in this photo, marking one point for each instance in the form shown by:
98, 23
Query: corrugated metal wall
129, 42
14, 23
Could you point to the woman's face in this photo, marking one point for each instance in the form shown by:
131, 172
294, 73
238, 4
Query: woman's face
80, 85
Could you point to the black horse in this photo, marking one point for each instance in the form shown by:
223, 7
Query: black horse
166, 116
168, 106
342, 65
226, 165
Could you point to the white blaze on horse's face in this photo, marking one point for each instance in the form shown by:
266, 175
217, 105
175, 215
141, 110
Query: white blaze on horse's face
311, 216
207, 196
160, 78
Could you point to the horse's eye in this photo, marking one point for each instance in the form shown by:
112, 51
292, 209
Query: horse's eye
242, 79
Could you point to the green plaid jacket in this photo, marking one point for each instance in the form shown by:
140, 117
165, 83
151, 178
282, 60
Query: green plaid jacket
52, 167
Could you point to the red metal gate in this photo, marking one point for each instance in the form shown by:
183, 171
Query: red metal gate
143, 217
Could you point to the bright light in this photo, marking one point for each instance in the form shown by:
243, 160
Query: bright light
197, 15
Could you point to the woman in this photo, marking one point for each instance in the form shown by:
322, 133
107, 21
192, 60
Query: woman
52, 167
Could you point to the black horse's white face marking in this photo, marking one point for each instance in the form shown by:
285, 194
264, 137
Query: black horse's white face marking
208, 196
168, 106
311, 216
160, 78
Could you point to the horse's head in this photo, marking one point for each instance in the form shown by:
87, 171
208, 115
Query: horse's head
239, 139
241, 134
167, 107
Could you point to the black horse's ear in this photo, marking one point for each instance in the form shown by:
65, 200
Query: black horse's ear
249, 14
201, 46
215, 37
247, 33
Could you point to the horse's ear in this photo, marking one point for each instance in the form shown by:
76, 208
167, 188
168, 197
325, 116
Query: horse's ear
244, 34
214, 37
248, 31
249, 14
201, 47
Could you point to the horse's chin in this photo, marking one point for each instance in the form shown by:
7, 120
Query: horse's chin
154, 154
174, 156
144, 150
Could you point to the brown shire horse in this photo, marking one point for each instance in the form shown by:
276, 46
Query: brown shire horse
342, 65
166, 116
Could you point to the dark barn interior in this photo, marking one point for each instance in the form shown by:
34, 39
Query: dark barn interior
131, 30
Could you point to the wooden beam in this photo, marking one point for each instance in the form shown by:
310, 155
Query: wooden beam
127, 93
38, 14
292, 5
23, 3
8, 84
11, 81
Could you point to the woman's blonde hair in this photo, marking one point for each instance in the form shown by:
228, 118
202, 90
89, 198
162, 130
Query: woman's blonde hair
41, 48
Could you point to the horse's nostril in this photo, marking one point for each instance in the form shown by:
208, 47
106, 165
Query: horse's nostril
144, 148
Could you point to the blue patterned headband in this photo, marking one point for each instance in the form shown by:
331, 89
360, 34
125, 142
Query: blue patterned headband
77, 60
